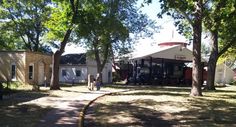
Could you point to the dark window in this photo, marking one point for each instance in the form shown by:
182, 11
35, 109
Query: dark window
78, 73
31, 71
13, 71
63, 72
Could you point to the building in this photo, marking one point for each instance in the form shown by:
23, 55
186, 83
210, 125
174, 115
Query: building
169, 63
74, 68
25, 67
224, 74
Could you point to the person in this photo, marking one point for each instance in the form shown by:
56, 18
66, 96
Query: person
98, 81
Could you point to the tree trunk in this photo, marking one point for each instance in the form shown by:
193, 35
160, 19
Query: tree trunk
212, 62
197, 31
54, 84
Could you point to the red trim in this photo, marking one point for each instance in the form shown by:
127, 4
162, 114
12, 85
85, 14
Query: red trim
172, 43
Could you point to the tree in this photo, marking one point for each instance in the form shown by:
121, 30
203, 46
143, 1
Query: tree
107, 27
192, 12
8, 40
220, 21
65, 18
24, 19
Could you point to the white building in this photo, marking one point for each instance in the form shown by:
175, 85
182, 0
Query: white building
224, 74
76, 67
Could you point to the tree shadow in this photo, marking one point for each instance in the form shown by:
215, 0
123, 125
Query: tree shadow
20, 96
206, 112
200, 111
21, 115
149, 87
122, 114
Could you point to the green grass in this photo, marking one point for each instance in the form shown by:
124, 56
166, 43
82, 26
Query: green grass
164, 106
13, 113
16, 112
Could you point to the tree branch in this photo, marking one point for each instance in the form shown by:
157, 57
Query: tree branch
186, 16
65, 39
224, 49
72, 5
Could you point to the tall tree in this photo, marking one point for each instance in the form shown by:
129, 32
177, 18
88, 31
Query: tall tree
25, 20
192, 12
108, 25
220, 21
65, 18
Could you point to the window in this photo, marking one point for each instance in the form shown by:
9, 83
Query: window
13, 71
63, 72
78, 73
31, 71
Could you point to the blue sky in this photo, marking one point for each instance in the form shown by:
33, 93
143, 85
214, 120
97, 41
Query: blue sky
168, 33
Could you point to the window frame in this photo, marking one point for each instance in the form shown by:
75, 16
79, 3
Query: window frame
79, 72
32, 73
13, 78
63, 72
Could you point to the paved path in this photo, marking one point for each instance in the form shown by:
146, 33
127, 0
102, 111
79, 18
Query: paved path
66, 109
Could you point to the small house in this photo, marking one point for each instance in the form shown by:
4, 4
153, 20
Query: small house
25, 67
74, 68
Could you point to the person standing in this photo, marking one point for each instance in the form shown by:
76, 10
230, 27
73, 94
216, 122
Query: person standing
98, 81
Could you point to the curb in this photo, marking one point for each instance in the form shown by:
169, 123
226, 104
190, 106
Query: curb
82, 113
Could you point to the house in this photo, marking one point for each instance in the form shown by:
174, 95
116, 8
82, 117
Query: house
74, 68
25, 67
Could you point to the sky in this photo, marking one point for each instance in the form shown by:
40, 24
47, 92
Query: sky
167, 33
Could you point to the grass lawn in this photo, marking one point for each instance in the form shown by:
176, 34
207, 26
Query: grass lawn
17, 111
153, 106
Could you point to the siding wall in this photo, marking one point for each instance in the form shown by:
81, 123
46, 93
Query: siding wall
35, 59
22, 60
70, 76
6, 60
92, 69
223, 74
89, 68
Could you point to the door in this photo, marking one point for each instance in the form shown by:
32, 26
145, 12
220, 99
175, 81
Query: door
41, 73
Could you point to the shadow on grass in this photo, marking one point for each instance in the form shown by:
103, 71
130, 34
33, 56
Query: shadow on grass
201, 113
21, 115
216, 109
20, 96
149, 87
122, 114
13, 114
206, 112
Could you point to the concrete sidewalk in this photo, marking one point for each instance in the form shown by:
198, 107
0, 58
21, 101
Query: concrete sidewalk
67, 109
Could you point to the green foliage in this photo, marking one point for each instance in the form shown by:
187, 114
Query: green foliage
220, 18
24, 19
59, 21
183, 14
111, 23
